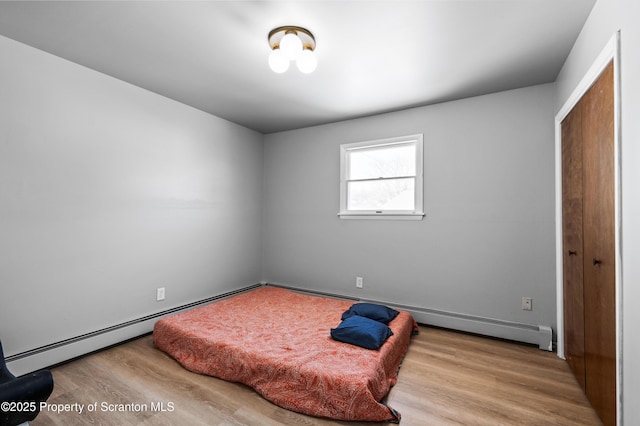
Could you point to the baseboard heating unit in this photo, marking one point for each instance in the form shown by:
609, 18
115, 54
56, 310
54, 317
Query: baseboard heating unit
540, 335
65, 350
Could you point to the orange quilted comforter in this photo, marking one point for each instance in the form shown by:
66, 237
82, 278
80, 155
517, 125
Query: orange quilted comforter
277, 341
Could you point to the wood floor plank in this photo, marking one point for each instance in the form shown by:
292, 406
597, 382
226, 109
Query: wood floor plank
447, 378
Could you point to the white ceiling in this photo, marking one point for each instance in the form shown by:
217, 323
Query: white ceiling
374, 56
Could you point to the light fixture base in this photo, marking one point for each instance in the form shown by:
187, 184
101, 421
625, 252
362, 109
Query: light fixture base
275, 36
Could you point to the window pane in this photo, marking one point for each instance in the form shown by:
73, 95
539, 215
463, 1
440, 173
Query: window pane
382, 161
386, 194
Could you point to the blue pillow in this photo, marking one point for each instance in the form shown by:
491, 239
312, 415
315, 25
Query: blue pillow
380, 313
361, 331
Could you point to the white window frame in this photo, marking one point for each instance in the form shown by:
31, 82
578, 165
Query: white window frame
417, 213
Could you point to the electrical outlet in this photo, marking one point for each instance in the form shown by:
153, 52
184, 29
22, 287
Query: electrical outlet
359, 282
527, 304
160, 294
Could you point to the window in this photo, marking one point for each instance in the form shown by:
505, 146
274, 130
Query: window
382, 179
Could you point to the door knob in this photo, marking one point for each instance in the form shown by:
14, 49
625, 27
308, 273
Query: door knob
572, 253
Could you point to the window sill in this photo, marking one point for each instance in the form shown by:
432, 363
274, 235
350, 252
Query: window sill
382, 216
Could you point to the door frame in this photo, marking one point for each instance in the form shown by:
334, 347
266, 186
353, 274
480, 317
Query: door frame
610, 52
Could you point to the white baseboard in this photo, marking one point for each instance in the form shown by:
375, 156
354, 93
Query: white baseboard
30, 361
59, 352
540, 335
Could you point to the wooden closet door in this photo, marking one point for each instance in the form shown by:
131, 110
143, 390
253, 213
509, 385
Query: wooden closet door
599, 247
573, 256
588, 235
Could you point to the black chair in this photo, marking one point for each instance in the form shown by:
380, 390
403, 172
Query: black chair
20, 397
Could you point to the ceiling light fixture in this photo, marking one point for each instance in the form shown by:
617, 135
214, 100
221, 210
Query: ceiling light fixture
291, 43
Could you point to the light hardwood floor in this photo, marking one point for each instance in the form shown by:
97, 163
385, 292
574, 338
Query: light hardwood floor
447, 378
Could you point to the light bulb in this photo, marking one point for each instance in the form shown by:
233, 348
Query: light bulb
291, 46
307, 61
277, 62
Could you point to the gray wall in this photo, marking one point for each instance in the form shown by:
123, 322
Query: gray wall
488, 235
607, 17
108, 191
